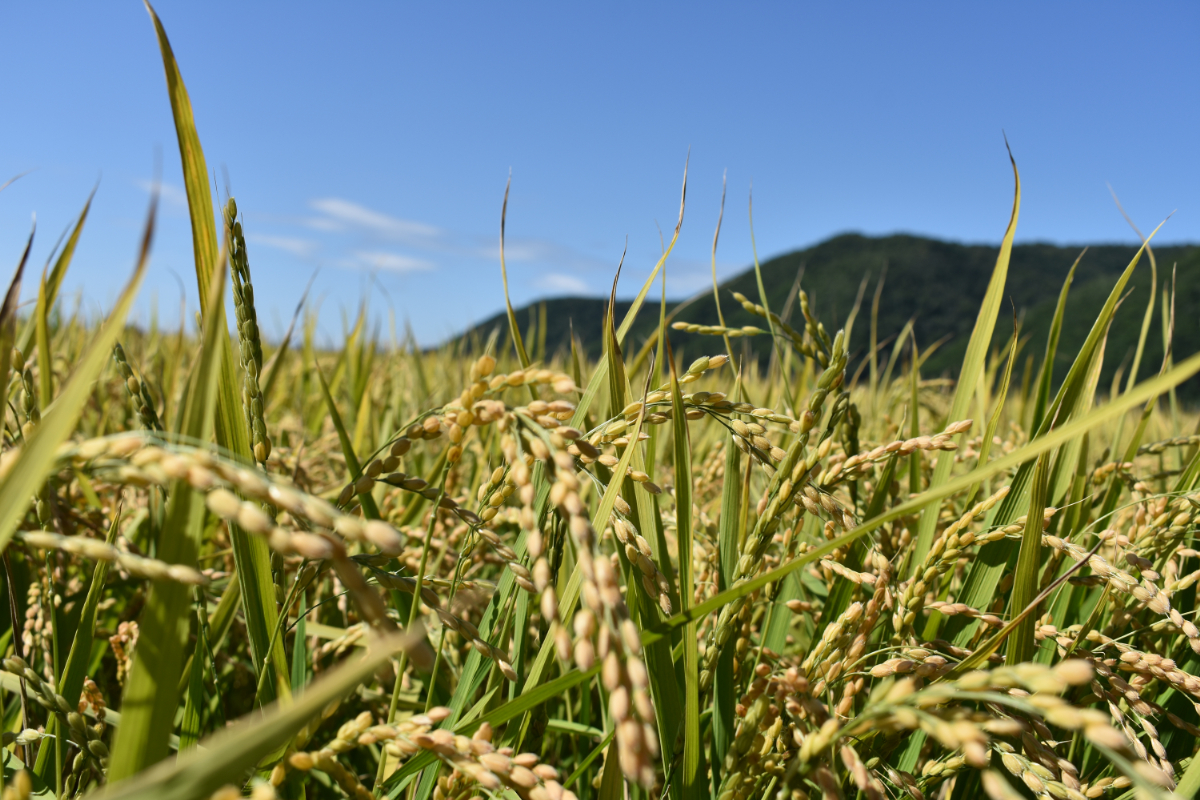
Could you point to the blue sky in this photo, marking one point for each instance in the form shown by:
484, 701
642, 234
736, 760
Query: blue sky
373, 140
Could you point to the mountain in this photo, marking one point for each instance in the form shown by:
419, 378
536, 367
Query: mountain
937, 284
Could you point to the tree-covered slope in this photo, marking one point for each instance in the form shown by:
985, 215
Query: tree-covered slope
936, 284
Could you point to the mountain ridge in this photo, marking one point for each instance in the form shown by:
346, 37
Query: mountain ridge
939, 284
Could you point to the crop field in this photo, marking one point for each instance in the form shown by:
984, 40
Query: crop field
235, 567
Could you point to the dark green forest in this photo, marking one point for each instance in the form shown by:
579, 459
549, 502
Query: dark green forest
936, 284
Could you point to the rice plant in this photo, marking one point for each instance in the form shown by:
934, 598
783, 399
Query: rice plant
274, 570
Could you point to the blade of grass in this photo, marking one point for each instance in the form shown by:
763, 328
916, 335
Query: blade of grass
977, 346
8, 322
199, 772
189, 727
36, 459
151, 696
250, 553
1046, 373
984, 573
1026, 453
985, 449
70, 684
664, 687
981, 654
1025, 581
353, 468
514, 330
59, 270
693, 771
41, 319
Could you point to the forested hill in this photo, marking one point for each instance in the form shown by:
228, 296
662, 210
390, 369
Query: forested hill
937, 284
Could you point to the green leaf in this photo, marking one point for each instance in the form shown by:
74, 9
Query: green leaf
234, 751
611, 783
590, 759
724, 692
972, 366
984, 651
353, 468
762, 298
1046, 373
1029, 451
1025, 582
36, 459
57, 272
522, 704
514, 329
983, 576
151, 696
70, 684
660, 667
1187, 787
10, 765
300, 647
8, 322
989, 434
189, 728
693, 771
250, 553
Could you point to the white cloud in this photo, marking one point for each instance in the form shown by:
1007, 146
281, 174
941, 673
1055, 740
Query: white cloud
392, 262
294, 245
363, 237
558, 282
342, 214
173, 195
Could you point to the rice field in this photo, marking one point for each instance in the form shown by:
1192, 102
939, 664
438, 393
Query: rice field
235, 567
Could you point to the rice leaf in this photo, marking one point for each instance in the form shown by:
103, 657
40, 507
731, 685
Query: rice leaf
514, 330
989, 433
353, 467
1046, 372
1025, 581
1181, 372
977, 347
762, 295
70, 683
8, 321
151, 696
41, 318
30, 469
693, 770
199, 772
250, 553
984, 573
189, 727
59, 270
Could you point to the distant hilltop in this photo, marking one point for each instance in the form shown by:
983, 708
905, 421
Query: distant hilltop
939, 285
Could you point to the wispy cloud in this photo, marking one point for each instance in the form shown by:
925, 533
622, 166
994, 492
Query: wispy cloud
567, 284
171, 194
391, 262
339, 214
304, 248
356, 236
